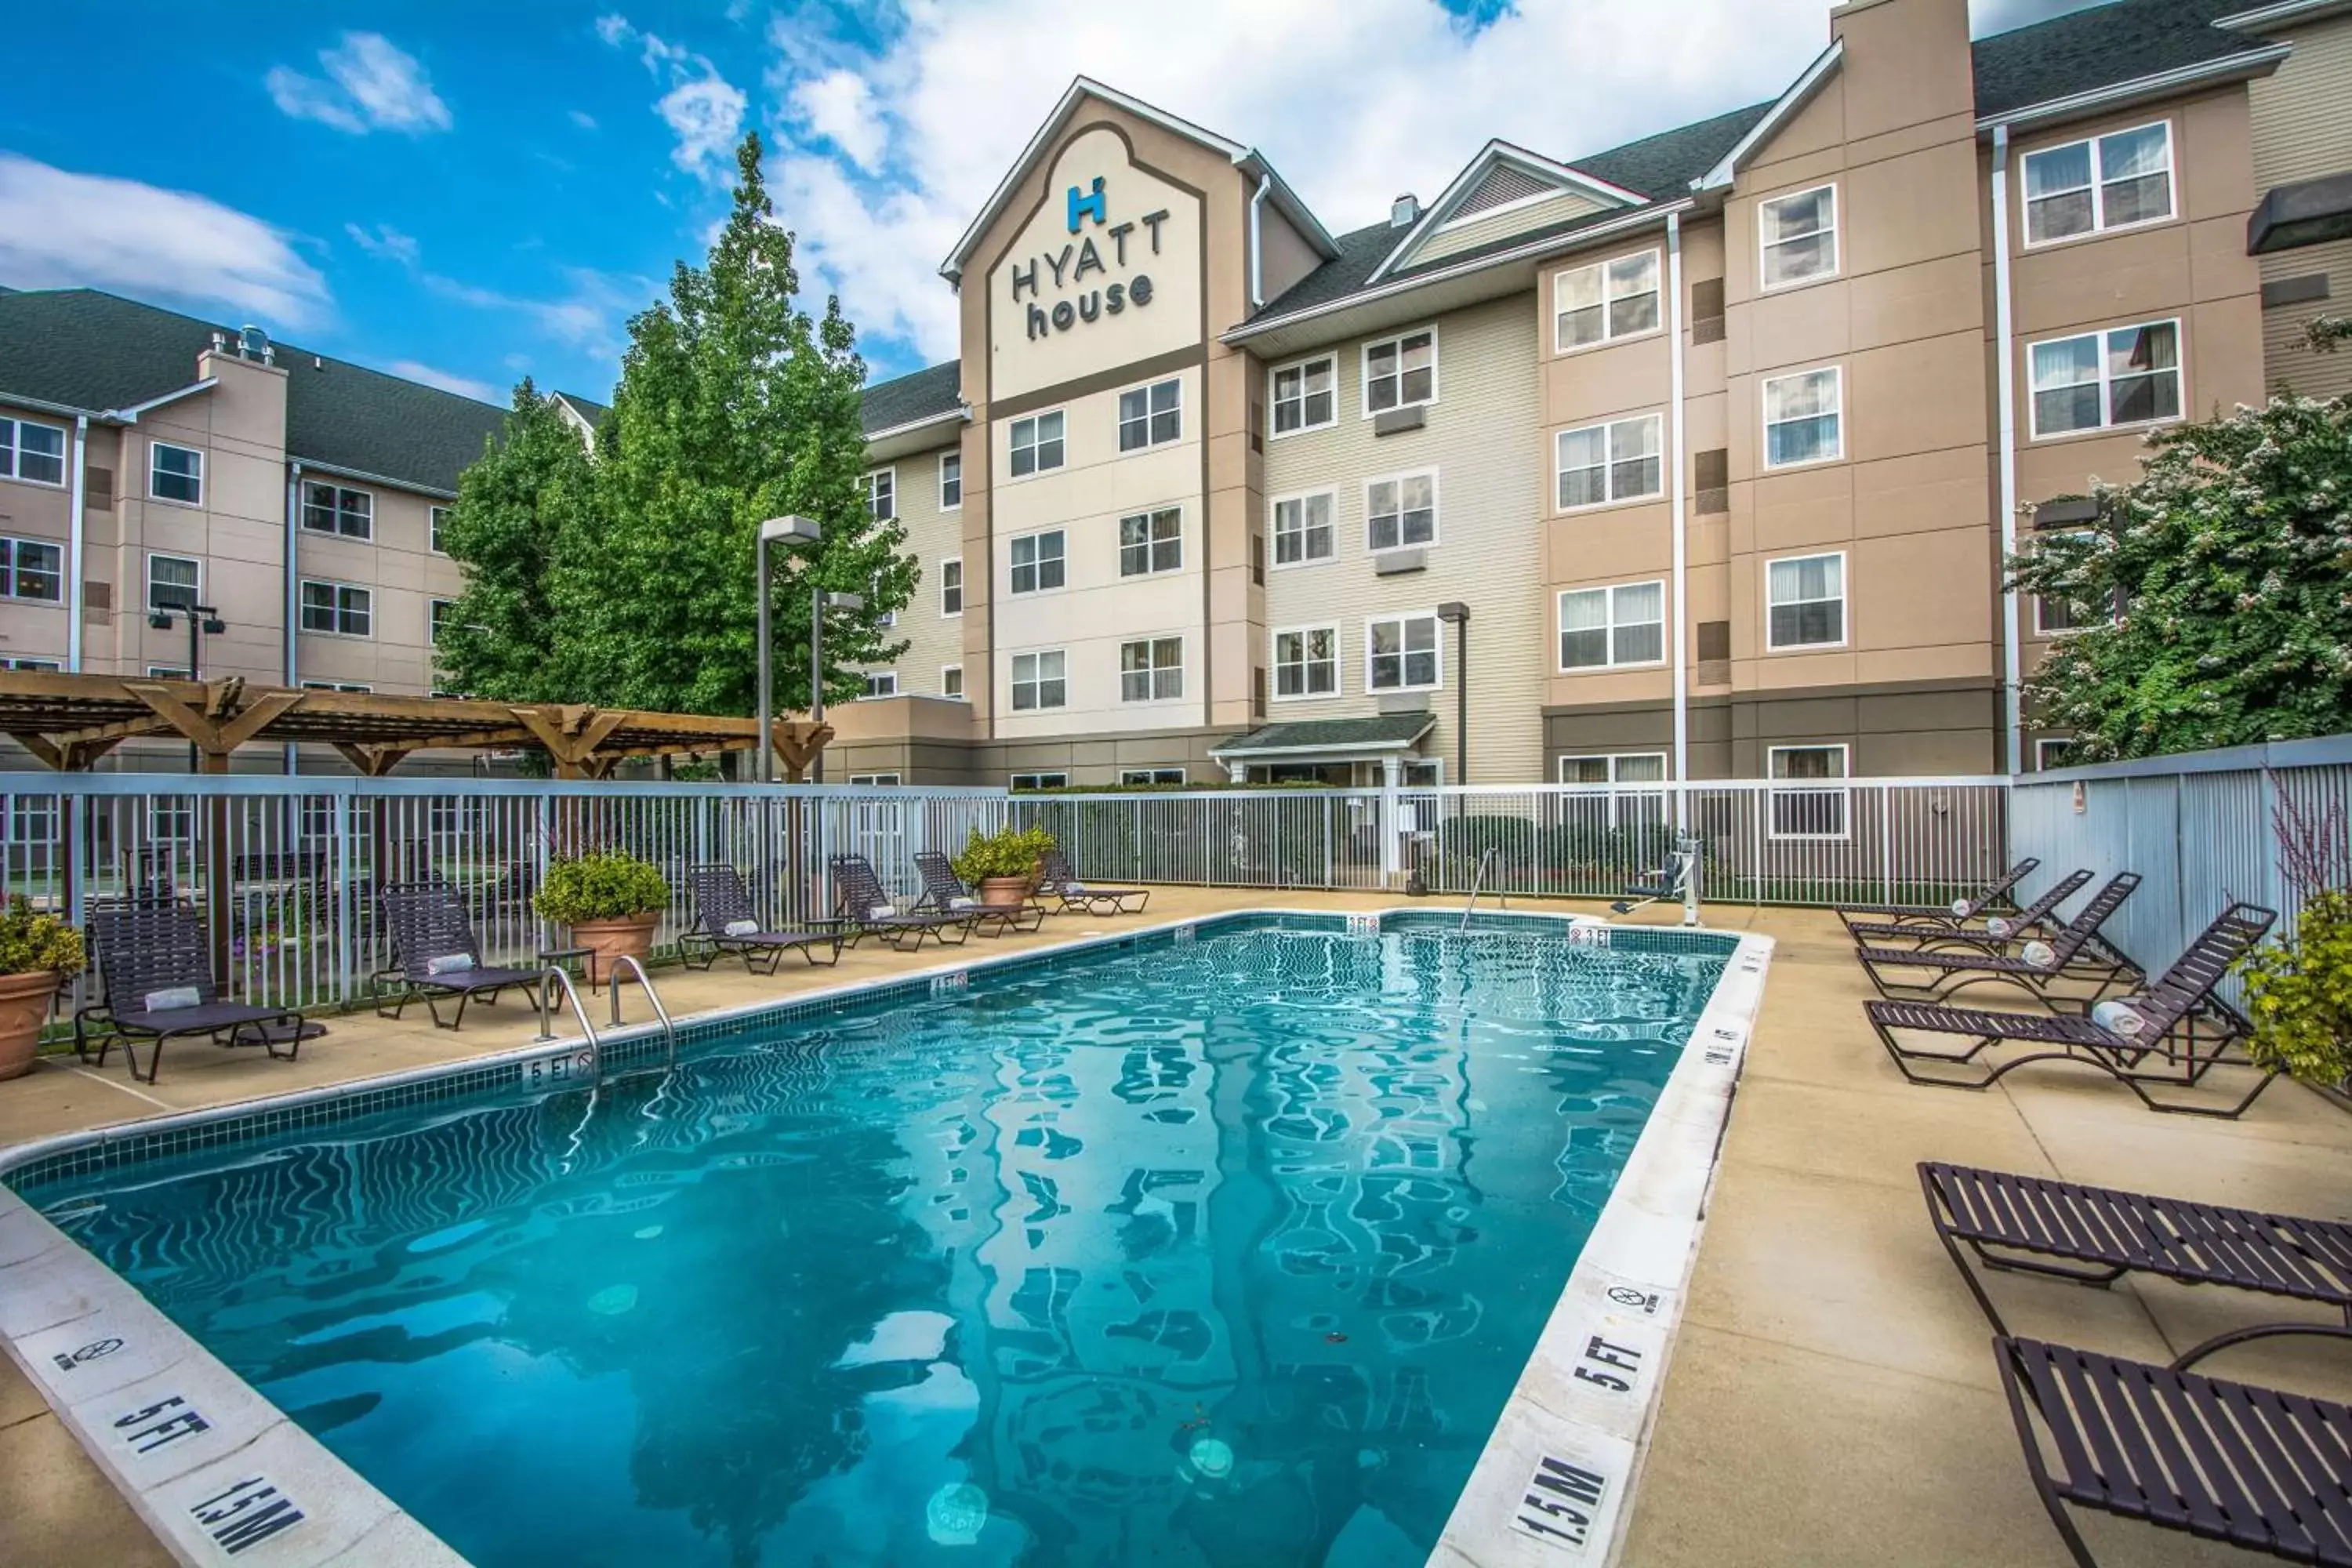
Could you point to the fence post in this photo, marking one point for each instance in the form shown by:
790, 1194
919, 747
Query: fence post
1886, 845
345, 935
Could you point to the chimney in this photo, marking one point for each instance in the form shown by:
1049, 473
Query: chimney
1405, 211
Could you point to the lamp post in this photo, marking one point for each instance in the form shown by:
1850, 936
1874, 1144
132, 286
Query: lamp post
1457, 614
818, 605
789, 531
204, 621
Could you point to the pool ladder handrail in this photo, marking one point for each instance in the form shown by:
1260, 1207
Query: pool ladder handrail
644, 983
1477, 881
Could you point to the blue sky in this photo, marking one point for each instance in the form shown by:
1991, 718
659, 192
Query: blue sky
467, 194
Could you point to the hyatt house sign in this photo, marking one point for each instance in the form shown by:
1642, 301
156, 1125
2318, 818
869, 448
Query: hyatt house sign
1068, 268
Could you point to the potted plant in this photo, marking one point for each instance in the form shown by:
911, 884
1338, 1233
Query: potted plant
611, 900
1003, 866
37, 952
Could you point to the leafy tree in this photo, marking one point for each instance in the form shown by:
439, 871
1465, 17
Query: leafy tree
522, 507
2228, 563
734, 405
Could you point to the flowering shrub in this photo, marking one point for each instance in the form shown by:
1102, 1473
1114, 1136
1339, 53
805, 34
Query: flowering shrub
34, 943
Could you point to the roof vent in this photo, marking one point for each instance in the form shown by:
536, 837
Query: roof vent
253, 343
1405, 211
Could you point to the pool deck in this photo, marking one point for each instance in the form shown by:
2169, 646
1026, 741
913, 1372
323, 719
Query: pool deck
1832, 1397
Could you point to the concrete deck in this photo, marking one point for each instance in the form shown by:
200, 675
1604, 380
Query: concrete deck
1832, 1399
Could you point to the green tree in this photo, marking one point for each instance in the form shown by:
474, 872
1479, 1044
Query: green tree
734, 405
2227, 565
529, 501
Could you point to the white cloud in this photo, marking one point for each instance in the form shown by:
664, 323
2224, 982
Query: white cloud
371, 85
839, 107
60, 229
386, 241
703, 109
463, 386
587, 316
583, 119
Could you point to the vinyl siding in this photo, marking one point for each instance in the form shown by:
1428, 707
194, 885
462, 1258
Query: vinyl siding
1495, 226
2301, 130
933, 535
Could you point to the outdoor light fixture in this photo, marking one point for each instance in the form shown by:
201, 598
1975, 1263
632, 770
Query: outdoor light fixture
204, 621
1457, 614
785, 530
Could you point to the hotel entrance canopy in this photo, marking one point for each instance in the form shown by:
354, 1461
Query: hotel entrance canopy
1390, 739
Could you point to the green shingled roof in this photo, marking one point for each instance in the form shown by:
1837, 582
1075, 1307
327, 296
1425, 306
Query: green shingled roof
85, 350
1389, 730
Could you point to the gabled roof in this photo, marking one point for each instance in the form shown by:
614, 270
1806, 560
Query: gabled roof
80, 349
2104, 46
933, 392
1387, 732
587, 410
1498, 162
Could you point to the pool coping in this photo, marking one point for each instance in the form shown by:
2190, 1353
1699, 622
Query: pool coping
224, 1477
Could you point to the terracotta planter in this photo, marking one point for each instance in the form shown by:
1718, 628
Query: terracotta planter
1004, 893
607, 941
23, 1003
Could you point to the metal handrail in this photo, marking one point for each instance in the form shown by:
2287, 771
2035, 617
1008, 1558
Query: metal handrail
557, 973
644, 982
1477, 881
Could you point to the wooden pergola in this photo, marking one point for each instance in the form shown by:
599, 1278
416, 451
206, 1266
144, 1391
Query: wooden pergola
69, 722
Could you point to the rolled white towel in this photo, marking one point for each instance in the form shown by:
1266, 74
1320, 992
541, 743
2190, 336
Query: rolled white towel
882, 913
1960, 907
1999, 929
171, 999
742, 926
1074, 887
960, 904
449, 963
2041, 955
2120, 1017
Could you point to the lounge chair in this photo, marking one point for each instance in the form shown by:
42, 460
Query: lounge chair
2253, 1467
1055, 876
2095, 1235
867, 910
154, 961
1998, 931
2077, 955
2183, 1029
435, 953
726, 921
943, 891
1955, 916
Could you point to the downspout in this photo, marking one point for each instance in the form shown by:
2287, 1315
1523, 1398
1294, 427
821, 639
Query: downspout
77, 543
293, 607
2004, 328
1256, 249
1681, 522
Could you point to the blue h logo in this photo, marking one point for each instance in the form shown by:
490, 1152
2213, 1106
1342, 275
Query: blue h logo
1094, 202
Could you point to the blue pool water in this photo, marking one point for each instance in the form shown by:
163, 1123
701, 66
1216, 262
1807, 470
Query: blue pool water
1224, 1252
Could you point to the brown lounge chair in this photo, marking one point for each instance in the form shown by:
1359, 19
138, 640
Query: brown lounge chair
435, 953
154, 961
1998, 933
946, 893
1055, 876
1992, 900
726, 921
867, 910
2185, 1029
2078, 956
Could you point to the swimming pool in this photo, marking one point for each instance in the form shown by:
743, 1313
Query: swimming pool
1221, 1245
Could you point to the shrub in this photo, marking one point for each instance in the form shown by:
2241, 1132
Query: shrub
609, 885
34, 943
2299, 993
1009, 852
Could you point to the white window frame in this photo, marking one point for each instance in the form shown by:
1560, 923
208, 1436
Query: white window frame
1274, 529
889, 472
33, 666
341, 489
1011, 566
433, 516
196, 594
1151, 543
871, 677
1609, 428
1012, 438
1609, 591
1364, 371
1837, 240
1613, 759
1151, 776
433, 608
349, 688
2106, 381
1153, 669
1150, 414
2040, 628
945, 458
874, 781
956, 562
1631, 802
1764, 415
1273, 663
14, 452
1273, 431
1037, 679
1437, 650
11, 545
1037, 780
1560, 343
155, 449
2041, 762
1776, 789
340, 588
1436, 512
168, 672
2099, 224
1845, 603
957, 695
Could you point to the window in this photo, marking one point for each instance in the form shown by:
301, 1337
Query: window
1037, 562
1151, 775
1151, 669
33, 666
950, 480
437, 610
168, 672
2056, 617
1150, 415
875, 781
881, 683
1302, 529
1801, 422
333, 509
1614, 462
952, 585
32, 569
882, 494
352, 687
1607, 301
2053, 751
1401, 653
1603, 628
1038, 680
1631, 767
1621, 807
32, 453
175, 473
951, 680
1306, 395
33, 824
2115, 181
1818, 813
173, 583
2130, 376
1041, 781
1401, 371
340, 608
172, 818
1306, 663
1401, 511
1806, 599
1799, 234
1036, 444
1152, 542
435, 520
